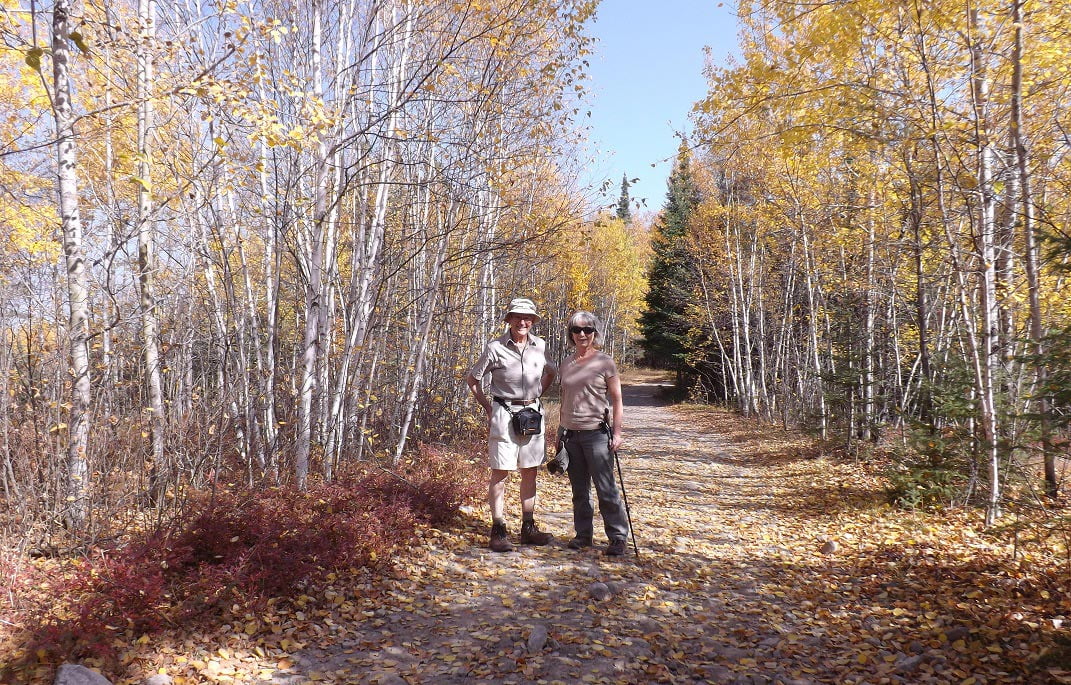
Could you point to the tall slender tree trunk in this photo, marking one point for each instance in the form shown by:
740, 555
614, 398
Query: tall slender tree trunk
77, 506
986, 240
925, 403
158, 470
728, 369
272, 264
1037, 332
812, 331
869, 418
313, 292
108, 365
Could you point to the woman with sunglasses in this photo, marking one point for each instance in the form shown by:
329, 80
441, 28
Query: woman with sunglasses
590, 428
520, 374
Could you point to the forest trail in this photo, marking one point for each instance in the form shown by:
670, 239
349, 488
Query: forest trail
464, 614
736, 582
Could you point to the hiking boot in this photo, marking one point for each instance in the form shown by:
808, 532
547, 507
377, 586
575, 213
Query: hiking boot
616, 548
500, 539
579, 543
530, 535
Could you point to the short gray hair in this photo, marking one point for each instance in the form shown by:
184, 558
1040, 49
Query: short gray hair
584, 318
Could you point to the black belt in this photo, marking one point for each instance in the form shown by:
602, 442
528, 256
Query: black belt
566, 432
518, 403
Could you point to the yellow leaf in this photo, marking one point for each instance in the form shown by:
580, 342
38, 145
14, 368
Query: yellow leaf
33, 58
79, 40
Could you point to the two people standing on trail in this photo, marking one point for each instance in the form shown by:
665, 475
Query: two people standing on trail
590, 429
520, 374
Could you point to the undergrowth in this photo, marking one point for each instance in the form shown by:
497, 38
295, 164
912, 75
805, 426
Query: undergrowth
237, 548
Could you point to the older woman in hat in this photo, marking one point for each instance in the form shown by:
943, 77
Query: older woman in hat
519, 375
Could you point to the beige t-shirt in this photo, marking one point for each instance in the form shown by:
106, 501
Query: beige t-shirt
584, 400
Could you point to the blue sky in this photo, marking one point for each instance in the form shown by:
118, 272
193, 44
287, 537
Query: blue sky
646, 73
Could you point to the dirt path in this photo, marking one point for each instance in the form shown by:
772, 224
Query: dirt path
461, 614
761, 561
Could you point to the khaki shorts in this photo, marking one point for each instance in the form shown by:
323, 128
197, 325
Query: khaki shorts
507, 451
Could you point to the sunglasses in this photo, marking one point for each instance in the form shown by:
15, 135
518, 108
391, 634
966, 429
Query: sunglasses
582, 329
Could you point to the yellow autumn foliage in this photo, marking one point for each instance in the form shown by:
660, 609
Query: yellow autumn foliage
603, 264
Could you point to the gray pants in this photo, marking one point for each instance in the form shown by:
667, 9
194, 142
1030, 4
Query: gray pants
590, 461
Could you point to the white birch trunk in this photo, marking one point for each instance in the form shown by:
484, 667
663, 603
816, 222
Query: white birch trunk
868, 379
985, 245
76, 508
159, 472
812, 329
314, 262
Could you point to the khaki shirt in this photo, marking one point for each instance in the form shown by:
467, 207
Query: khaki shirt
584, 399
516, 371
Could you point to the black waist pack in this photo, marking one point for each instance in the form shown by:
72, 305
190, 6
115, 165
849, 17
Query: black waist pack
527, 421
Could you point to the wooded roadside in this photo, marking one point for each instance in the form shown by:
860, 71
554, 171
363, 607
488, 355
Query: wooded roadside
762, 560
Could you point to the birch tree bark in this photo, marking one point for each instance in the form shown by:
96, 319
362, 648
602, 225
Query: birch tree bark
869, 353
159, 472
314, 262
77, 484
815, 356
985, 246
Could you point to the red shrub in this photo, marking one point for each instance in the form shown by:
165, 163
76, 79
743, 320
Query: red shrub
253, 544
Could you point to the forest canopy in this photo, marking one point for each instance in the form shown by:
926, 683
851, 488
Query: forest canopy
251, 241
879, 238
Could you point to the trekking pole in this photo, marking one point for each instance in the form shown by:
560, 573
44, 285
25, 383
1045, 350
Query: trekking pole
617, 460
624, 497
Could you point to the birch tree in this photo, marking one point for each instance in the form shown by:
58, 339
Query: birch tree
159, 476
77, 480
907, 104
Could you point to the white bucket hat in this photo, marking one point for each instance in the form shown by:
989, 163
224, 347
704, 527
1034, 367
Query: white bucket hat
522, 305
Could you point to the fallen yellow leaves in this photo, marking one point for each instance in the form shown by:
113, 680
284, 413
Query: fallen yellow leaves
731, 581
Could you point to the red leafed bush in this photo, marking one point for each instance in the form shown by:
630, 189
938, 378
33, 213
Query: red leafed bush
246, 545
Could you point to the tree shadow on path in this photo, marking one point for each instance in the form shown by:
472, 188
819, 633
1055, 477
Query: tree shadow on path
729, 586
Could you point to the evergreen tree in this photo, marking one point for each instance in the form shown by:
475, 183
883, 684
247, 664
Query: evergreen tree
665, 324
623, 211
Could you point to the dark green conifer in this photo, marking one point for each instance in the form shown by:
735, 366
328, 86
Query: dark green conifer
623, 211
665, 324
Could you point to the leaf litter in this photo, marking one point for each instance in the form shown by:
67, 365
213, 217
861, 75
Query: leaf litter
762, 560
